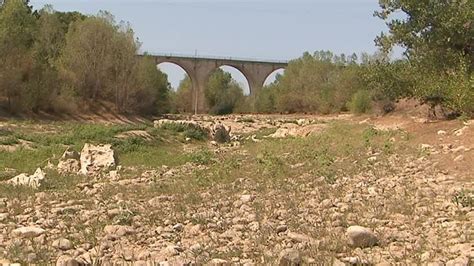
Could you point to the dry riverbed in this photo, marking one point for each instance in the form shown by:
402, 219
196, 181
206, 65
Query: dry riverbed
279, 190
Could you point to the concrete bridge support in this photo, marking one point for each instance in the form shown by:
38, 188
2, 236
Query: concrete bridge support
200, 69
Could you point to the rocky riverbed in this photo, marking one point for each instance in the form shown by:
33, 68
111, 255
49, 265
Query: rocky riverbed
278, 191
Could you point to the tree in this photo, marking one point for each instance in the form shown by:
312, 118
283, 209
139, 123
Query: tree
438, 38
184, 96
429, 28
123, 66
222, 93
86, 61
152, 93
17, 28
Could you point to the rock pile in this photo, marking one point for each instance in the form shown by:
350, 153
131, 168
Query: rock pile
33, 181
297, 130
69, 162
92, 161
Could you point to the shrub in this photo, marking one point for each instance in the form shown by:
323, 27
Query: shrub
361, 102
188, 130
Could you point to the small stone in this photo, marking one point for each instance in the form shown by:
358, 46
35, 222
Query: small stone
361, 237
459, 158
114, 175
62, 244
281, 228
219, 262
196, 248
66, 261
300, 238
426, 147
425, 256
372, 159
178, 227
461, 261
442, 132
289, 257
28, 232
3, 216
355, 261
118, 230
128, 254
170, 251
460, 131
247, 198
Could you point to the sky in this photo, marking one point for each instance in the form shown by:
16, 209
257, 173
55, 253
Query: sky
259, 29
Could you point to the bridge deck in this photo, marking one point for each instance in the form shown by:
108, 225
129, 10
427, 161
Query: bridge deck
234, 59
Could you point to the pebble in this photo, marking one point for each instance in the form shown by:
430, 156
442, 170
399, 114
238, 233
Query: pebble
28, 232
361, 237
289, 257
62, 244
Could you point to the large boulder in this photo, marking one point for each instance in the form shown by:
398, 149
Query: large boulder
33, 181
69, 162
220, 133
96, 159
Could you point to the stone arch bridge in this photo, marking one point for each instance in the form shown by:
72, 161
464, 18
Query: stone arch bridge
199, 69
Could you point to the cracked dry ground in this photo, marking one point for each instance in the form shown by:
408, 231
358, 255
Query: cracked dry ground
246, 204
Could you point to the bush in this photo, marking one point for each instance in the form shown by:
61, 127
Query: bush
361, 102
188, 130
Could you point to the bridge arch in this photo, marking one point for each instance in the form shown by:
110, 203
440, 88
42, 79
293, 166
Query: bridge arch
271, 78
174, 72
177, 76
239, 77
190, 70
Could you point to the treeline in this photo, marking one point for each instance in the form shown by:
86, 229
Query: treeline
321, 82
66, 62
436, 69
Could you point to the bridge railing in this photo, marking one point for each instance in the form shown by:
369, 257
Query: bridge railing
213, 57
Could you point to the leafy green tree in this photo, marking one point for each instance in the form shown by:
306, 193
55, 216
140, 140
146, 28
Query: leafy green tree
322, 82
123, 66
429, 28
152, 95
17, 29
86, 61
184, 96
265, 101
222, 93
438, 38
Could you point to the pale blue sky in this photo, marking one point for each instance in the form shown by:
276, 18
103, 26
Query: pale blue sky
263, 29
